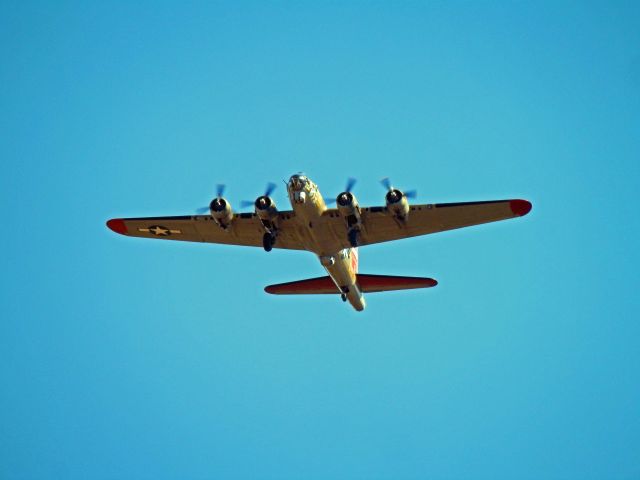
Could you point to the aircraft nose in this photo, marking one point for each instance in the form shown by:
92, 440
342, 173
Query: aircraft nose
297, 181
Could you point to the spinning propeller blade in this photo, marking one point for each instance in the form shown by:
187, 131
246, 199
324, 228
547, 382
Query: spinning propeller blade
350, 183
220, 187
267, 193
270, 188
386, 183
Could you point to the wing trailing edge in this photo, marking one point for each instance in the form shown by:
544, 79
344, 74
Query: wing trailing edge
368, 284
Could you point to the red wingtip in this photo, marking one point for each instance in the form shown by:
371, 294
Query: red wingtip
117, 225
520, 207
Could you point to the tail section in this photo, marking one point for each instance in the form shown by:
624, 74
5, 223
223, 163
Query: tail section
367, 283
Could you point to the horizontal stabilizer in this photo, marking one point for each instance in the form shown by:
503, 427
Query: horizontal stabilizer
384, 283
368, 284
300, 287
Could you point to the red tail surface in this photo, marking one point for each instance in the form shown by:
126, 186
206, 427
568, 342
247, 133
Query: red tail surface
368, 284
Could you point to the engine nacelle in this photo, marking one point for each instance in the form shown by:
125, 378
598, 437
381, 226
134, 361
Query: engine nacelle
397, 204
266, 208
349, 209
267, 212
221, 212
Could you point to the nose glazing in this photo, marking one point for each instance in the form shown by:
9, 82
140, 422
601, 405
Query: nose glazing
297, 182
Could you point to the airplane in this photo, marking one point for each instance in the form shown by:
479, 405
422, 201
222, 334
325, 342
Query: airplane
333, 234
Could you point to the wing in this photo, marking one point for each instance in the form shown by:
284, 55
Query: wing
245, 229
380, 226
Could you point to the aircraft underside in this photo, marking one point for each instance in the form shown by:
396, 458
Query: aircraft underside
333, 234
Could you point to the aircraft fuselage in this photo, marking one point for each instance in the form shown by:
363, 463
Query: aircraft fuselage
342, 266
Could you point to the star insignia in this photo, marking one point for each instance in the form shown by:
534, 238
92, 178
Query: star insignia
159, 230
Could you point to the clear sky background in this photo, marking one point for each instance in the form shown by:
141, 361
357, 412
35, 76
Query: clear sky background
133, 358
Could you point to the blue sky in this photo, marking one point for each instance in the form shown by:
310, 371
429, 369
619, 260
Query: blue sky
127, 358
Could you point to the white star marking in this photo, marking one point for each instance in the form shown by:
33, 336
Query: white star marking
159, 231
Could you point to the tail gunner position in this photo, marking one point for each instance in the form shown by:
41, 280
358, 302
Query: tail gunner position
333, 234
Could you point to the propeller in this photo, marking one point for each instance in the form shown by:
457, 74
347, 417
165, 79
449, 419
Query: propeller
351, 181
386, 183
267, 193
220, 188
270, 188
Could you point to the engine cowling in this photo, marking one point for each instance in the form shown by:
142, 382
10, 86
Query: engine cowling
266, 208
397, 204
267, 212
349, 209
221, 212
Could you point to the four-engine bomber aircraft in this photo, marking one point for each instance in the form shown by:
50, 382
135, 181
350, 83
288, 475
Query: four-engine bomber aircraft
333, 234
